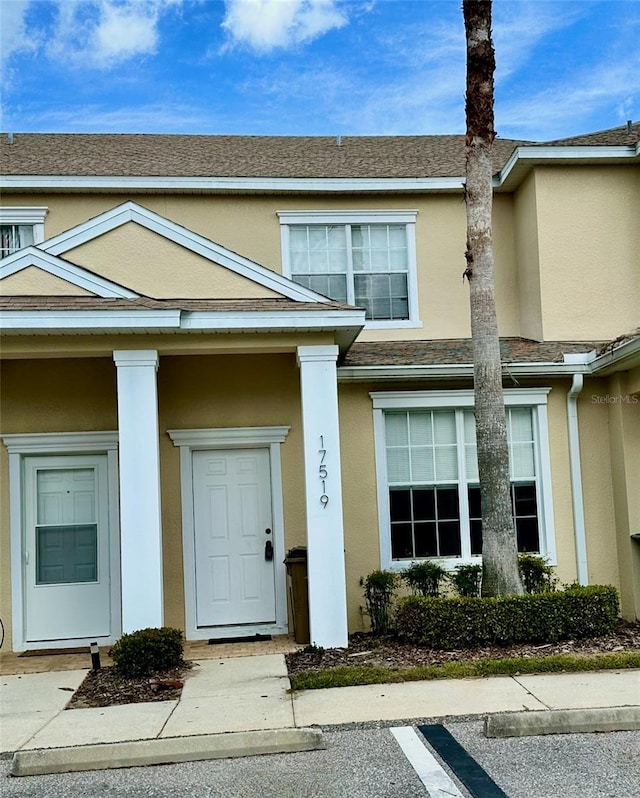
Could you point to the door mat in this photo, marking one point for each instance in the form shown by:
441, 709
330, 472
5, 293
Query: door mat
49, 652
248, 639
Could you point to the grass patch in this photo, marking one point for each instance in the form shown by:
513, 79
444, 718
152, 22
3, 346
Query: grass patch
374, 674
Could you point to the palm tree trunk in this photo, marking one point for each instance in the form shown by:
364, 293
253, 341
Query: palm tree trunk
499, 548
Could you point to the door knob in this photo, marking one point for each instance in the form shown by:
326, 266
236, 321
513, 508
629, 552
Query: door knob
268, 551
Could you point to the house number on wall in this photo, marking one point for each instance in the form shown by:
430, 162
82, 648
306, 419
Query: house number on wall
323, 473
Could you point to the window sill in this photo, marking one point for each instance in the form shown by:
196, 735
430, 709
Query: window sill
405, 324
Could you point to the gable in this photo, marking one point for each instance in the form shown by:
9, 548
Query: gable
34, 281
158, 267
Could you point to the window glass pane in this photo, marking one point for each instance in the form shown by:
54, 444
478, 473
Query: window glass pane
446, 462
401, 542
448, 503
25, 235
359, 236
473, 494
424, 504
422, 464
66, 554
426, 540
420, 428
398, 470
449, 539
397, 236
476, 538
337, 287
528, 536
396, 429
298, 238
400, 505
445, 426
520, 424
522, 461
524, 500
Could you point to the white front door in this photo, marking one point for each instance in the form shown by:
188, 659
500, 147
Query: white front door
67, 591
235, 576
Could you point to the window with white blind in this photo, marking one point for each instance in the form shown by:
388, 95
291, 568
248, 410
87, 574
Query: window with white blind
362, 258
20, 227
428, 489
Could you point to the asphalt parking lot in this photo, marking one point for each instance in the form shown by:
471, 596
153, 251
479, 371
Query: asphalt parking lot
368, 762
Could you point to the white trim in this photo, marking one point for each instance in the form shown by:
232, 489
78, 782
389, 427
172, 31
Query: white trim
20, 445
535, 398
190, 440
349, 217
575, 471
69, 272
33, 215
132, 212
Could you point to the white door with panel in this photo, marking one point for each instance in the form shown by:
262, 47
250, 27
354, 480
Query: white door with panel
233, 527
67, 590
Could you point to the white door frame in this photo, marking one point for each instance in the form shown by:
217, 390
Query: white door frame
46, 444
190, 440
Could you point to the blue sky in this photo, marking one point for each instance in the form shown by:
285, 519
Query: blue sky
312, 67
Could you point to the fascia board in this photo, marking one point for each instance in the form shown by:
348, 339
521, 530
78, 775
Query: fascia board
624, 357
131, 212
253, 184
69, 272
261, 320
78, 321
536, 155
448, 371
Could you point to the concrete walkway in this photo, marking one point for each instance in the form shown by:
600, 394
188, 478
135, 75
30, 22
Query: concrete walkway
229, 704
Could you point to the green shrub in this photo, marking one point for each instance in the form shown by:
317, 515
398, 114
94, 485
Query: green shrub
147, 651
467, 580
537, 575
424, 578
451, 623
379, 589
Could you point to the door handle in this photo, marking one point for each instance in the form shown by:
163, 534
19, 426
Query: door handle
268, 551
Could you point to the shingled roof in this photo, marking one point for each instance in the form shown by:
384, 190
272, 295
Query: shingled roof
150, 155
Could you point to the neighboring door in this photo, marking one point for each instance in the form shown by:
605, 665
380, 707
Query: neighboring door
67, 590
235, 584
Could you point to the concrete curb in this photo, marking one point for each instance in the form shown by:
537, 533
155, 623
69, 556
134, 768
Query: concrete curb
562, 721
41, 761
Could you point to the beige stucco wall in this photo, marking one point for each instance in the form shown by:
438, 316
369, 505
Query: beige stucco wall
33, 281
623, 410
589, 245
527, 258
150, 264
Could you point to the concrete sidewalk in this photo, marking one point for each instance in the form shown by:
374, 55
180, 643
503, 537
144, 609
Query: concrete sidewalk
240, 705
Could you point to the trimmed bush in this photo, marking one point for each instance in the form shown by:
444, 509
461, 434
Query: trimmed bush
451, 623
147, 651
424, 578
537, 575
379, 588
467, 580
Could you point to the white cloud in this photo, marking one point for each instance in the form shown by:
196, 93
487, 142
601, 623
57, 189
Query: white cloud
265, 25
14, 37
105, 33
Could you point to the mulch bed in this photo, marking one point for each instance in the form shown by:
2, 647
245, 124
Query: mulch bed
366, 649
105, 688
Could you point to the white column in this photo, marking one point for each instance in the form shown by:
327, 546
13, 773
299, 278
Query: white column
140, 522
323, 492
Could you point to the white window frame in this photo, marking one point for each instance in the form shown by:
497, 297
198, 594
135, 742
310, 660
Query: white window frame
26, 215
533, 398
403, 217
20, 446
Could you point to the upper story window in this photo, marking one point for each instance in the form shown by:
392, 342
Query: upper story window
364, 258
20, 227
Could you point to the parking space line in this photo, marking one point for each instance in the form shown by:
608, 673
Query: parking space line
429, 770
467, 770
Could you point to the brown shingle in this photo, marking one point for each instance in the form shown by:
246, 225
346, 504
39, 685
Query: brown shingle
238, 156
81, 303
458, 351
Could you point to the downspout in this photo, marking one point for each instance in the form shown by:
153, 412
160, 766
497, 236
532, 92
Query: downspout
576, 479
